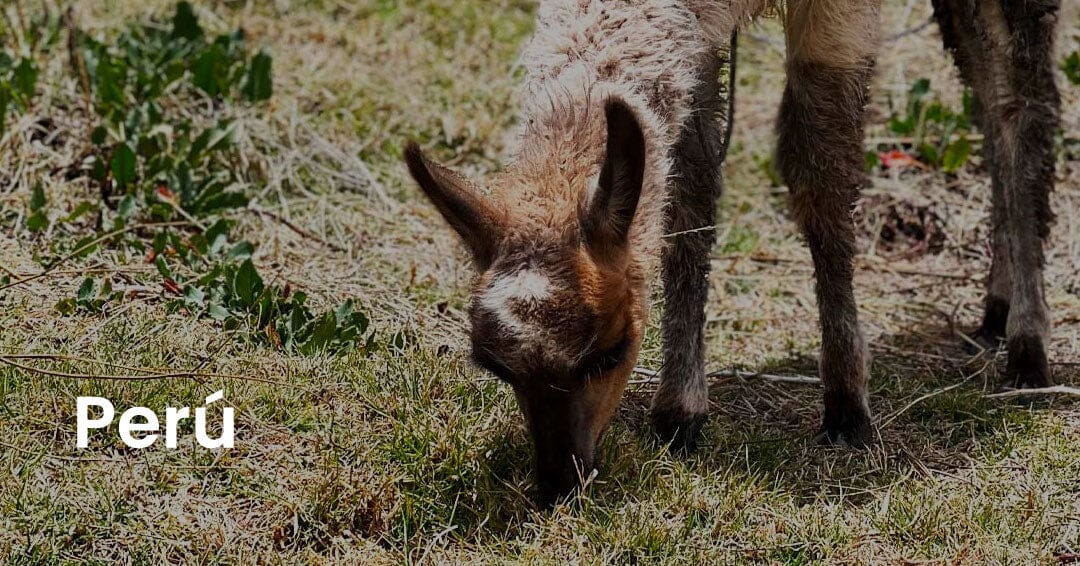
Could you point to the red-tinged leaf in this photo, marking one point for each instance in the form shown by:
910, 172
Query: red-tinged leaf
897, 159
162, 192
151, 255
171, 286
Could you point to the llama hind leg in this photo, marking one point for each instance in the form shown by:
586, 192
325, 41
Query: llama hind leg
999, 284
1024, 119
1003, 50
831, 46
680, 405
968, 46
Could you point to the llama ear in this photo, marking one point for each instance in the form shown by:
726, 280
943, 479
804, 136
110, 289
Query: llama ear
460, 202
606, 218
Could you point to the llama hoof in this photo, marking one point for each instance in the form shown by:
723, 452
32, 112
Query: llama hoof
851, 429
991, 332
984, 339
854, 437
1027, 366
678, 430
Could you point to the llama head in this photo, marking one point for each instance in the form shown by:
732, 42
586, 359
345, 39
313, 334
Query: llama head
557, 307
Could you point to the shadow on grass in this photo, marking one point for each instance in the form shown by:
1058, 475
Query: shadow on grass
929, 405
930, 409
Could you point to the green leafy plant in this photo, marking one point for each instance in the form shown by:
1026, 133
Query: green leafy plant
1071, 67
91, 298
147, 149
238, 295
18, 79
19, 74
224, 285
930, 133
37, 220
170, 176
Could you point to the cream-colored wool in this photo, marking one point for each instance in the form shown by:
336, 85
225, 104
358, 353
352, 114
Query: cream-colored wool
646, 52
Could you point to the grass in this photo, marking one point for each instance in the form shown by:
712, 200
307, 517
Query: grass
413, 455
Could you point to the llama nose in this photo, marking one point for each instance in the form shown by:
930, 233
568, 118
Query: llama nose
563, 443
564, 460
560, 478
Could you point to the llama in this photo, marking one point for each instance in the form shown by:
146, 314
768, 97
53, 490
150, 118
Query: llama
619, 143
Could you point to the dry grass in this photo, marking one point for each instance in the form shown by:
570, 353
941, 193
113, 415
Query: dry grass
413, 455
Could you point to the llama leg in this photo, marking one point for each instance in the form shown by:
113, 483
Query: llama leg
681, 403
956, 19
831, 46
1024, 118
1004, 52
999, 285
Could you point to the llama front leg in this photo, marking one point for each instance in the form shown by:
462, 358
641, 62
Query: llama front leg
831, 45
681, 403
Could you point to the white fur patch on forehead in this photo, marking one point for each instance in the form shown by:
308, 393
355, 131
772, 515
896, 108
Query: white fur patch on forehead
523, 286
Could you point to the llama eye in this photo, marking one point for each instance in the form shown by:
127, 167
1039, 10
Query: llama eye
607, 360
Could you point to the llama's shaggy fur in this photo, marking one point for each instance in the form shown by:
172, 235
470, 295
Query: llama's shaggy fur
645, 52
617, 123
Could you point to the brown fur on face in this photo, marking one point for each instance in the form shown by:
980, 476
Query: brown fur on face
567, 355
558, 306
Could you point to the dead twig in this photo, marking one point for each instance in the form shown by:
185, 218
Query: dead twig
118, 270
778, 43
893, 416
654, 376
690, 231
909, 140
68, 358
145, 374
765, 376
912, 30
298, 230
1054, 390
859, 264
78, 64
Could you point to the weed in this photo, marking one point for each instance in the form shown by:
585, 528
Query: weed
167, 183
929, 132
1071, 66
91, 298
